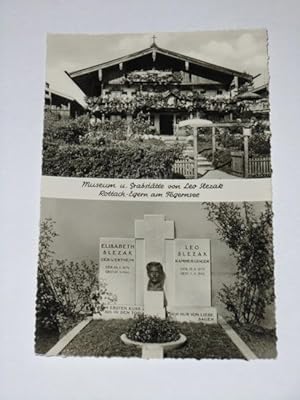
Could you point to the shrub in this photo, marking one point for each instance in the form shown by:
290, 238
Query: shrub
147, 329
105, 132
222, 158
250, 239
65, 288
260, 126
100, 298
50, 151
73, 283
259, 144
74, 148
141, 125
65, 130
128, 159
47, 306
109, 131
228, 140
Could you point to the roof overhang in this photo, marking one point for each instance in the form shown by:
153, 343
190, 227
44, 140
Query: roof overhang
62, 95
61, 98
89, 79
261, 89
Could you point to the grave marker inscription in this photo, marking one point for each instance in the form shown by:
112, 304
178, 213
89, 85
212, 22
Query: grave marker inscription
117, 267
192, 272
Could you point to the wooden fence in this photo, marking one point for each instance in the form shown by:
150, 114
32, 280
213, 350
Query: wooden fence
64, 112
258, 166
237, 163
185, 167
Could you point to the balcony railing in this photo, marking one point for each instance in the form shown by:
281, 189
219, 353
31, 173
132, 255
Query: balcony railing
161, 101
254, 106
152, 76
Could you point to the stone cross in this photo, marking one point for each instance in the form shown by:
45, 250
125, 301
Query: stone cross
154, 229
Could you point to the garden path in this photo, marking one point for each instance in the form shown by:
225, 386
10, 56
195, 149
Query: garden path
218, 174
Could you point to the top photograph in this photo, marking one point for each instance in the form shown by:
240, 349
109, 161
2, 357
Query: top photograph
157, 106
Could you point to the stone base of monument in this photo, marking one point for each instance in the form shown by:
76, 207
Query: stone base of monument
154, 304
154, 350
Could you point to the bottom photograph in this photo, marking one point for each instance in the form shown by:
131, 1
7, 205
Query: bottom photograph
155, 280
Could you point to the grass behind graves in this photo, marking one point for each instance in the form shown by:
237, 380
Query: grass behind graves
102, 339
204, 341
260, 340
45, 340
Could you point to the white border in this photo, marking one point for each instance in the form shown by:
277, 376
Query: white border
199, 190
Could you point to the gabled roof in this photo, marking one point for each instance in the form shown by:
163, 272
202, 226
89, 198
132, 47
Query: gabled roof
62, 95
147, 58
57, 96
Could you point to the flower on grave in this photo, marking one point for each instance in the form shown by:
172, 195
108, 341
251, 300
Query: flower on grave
147, 329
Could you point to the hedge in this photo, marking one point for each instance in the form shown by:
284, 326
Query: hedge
65, 130
119, 160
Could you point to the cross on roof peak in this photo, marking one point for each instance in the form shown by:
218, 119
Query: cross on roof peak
153, 41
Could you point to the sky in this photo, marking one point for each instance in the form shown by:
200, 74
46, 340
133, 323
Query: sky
242, 50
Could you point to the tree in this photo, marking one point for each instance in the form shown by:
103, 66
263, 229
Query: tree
47, 304
250, 238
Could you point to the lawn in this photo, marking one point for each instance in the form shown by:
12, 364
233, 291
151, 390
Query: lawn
261, 341
44, 340
102, 339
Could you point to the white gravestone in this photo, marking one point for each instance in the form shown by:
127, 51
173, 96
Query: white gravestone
192, 269
117, 268
188, 286
185, 293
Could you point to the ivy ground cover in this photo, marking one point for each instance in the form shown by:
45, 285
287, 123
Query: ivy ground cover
102, 339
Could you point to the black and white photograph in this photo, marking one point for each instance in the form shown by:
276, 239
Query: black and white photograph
156, 280
150, 226
157, 105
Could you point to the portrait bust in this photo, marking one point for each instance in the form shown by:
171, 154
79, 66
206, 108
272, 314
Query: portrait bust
156, 276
